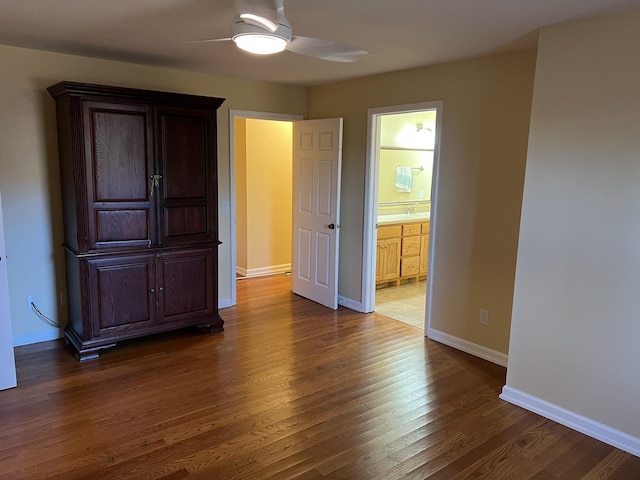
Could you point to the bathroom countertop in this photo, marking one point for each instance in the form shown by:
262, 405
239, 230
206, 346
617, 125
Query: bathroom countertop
404, 217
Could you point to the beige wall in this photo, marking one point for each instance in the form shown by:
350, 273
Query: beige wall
29, 171
268, 203
486, 109
575, 340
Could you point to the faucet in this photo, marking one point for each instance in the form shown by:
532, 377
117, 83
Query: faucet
412, 208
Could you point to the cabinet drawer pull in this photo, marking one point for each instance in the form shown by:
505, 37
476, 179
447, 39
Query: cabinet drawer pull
152, 290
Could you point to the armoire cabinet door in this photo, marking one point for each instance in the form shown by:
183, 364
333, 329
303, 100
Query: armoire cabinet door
187, 286
119, 160
185, 149
123, 295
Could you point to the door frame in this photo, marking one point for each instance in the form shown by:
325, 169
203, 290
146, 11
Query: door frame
7, 353
248, 114
371, 201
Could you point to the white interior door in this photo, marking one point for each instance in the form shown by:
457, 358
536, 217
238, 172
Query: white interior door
7, 361
317, 157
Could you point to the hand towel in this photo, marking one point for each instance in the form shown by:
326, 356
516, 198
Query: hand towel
403, 179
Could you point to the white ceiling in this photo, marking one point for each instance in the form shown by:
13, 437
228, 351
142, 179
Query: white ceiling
400, 34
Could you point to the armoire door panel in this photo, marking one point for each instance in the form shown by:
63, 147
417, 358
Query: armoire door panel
184, 154
182, 221
126, 226
186, 146
119, 160
186, 285
120, 155
122, 294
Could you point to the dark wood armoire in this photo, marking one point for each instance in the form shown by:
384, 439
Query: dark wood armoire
139, 191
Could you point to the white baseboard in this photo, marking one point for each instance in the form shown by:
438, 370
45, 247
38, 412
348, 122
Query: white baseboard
350, 303
37, 337
485, 353
263, 271
572, 420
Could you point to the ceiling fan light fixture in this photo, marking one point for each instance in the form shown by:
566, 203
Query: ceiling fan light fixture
258, 39
259, 20
260, 43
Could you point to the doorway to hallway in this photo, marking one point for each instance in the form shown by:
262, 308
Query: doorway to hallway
308, 162
247, 258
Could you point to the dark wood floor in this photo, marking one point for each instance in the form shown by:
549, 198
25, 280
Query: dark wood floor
289, 390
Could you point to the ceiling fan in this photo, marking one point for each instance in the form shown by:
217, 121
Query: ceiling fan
260, 27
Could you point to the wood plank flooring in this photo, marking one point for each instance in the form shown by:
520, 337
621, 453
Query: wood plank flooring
289, 390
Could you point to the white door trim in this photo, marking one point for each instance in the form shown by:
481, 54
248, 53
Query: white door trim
233, 114
7, 355
371, 201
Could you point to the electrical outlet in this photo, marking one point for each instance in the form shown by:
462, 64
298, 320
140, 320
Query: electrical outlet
484, 317
31, 299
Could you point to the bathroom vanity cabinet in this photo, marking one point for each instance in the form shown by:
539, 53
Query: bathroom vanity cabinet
402, 251
139, 192
424, 248
388, 247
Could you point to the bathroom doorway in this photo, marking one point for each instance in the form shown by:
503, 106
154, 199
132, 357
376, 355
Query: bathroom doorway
400, 211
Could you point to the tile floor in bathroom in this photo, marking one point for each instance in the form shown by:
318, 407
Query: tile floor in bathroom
405, 303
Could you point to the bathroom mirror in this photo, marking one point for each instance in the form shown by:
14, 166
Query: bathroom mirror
407, 143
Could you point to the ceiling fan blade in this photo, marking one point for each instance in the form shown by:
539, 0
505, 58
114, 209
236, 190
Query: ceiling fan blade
209, 40
260, 13
325, 49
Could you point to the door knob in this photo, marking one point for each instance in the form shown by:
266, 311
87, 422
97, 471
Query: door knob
332, 226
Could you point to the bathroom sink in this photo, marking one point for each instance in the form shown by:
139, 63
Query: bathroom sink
404, 217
